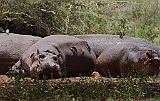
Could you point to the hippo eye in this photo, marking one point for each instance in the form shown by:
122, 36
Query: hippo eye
42, 56
55, 58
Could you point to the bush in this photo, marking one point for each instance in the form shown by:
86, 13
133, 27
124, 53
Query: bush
137, 18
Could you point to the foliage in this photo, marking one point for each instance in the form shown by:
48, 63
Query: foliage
139, 18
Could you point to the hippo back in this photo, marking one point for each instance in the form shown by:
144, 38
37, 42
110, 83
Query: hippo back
99, 42
122, 59
12, 47
76, 55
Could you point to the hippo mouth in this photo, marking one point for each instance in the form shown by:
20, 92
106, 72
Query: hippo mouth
51, 68
51, 72
47, 71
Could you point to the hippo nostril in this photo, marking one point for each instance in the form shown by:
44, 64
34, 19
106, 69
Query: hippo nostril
38, 65
50, 65
53, 65
47, 64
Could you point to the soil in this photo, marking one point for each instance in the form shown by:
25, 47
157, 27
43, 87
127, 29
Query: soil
95, 75
5, 80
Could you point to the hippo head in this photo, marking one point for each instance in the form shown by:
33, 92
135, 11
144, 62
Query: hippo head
152, 63
45, 62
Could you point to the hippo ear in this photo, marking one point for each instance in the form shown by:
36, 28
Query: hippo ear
74, 50
58, 55
154, 60
32, 55
88, 48
35, 53
149, 55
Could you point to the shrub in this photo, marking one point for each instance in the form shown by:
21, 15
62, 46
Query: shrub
137, 18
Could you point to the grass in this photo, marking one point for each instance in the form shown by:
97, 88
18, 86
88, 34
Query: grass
83, 88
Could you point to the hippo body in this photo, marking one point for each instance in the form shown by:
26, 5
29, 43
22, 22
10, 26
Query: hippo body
122, 59
57, 54
99, 42
12, 47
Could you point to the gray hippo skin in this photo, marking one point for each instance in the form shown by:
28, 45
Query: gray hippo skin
12, 47
122, 59
99, 42
57, 54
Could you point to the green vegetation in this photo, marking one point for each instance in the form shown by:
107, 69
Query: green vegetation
138, 18
82, 88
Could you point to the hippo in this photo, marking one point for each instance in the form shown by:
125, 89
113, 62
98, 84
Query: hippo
123, 59
55, 56
12, 47
99, 42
